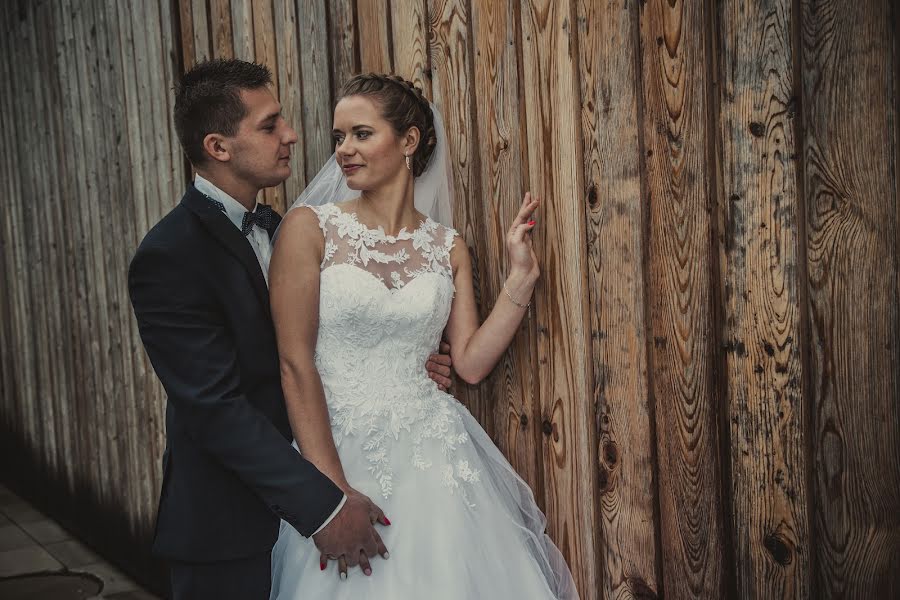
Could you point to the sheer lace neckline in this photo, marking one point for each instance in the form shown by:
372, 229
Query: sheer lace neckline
403, 234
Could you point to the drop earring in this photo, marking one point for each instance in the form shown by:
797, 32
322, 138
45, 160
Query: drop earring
408, 162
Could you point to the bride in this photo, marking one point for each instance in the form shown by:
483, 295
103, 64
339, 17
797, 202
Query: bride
362, 286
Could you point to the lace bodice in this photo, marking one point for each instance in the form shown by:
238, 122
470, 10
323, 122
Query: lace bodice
383, 303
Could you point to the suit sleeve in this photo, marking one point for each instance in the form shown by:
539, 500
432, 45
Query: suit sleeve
194, 356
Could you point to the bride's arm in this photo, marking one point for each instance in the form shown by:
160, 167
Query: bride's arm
294, 298
475, 350
294, 294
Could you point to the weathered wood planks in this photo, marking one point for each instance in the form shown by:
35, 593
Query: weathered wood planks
760, 258
849, 154
555, 173
682, 383
616, 210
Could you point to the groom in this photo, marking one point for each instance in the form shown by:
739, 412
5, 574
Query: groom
199, 290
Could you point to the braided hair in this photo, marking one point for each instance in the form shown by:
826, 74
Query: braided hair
402, 105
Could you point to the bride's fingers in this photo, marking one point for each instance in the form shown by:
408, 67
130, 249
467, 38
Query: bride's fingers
518, 234
529, 204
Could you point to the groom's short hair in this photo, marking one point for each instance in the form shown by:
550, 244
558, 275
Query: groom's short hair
208, 100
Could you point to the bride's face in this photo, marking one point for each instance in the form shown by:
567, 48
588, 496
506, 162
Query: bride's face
366, 147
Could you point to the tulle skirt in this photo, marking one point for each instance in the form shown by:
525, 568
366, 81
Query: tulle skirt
483, 538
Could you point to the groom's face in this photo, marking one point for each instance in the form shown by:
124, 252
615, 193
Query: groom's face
261, 148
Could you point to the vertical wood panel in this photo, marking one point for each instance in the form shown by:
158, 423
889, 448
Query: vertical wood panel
503, 173
610, 96
451, 62
343, 37
555, 174
222, 37
373, 20
759, 259
316, 84
242, 29
8, 168
264, 36
851, 211
410, 30
291, 95
186, 19
202, 34
682, 384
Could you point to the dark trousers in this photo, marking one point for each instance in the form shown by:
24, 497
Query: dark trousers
242, 579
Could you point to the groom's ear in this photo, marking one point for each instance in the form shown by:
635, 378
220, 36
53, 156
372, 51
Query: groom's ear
411, 140
216, 147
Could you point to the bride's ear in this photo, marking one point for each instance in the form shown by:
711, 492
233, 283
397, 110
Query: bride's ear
411, 140
216, 147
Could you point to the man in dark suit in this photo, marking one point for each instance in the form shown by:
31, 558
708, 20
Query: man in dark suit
198, 286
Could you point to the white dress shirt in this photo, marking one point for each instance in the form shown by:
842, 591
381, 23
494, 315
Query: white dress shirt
234, 210
258, 238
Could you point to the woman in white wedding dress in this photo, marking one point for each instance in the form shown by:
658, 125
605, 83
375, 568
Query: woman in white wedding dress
362, 291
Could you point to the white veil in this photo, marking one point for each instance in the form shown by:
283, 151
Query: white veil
433, 188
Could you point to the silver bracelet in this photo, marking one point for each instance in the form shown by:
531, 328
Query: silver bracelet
513, 300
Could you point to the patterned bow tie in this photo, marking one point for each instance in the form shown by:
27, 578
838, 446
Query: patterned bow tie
263, 216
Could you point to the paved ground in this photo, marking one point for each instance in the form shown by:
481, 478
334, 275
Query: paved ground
31, 543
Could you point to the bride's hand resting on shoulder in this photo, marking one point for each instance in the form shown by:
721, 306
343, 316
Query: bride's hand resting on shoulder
523, 264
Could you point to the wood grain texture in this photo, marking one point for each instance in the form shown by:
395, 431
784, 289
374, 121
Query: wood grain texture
549, 63
221, 34
242, 29
202, 35
674, 78
291, 95
373, 21
265, 50
186, 20
344, 43
760, 256
451, 62
849, 156
316, 85
411, 29
503, 173
610, 113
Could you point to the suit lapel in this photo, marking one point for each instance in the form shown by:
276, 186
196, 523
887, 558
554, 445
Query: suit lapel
229, 236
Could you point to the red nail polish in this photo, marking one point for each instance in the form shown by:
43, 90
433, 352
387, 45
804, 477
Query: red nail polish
532, 222
321, 566
387, 521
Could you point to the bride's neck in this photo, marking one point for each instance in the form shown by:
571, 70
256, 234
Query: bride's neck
391, 206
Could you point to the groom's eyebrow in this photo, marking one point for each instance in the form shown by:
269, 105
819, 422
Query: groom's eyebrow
270, 117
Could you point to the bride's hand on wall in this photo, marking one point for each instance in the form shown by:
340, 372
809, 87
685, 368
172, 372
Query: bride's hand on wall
523, 264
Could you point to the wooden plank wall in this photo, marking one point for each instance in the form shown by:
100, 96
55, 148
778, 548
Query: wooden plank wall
705, 396
89, 163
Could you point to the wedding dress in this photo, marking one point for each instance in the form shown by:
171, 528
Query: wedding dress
464, 525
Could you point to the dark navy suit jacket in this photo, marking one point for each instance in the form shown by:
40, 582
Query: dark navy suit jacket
229, 471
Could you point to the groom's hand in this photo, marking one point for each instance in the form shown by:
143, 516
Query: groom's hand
351, 535
438, 367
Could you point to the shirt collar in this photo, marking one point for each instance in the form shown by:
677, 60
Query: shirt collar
234, 210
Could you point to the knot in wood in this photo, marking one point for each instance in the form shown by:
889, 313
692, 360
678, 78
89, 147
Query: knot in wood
779, 548
611, 454
547, 427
